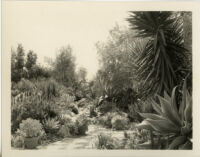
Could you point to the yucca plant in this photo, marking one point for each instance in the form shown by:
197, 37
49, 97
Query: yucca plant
162, 63
171, 122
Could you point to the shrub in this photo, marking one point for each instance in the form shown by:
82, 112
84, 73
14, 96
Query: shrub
107, 107
64, 131
106, 142
119, 123
17, 141
73, 128
69, 105
34, 108
64, 119
24, 85
106, 120
136, 139
16, 116
81, 124
43, 137
66, 100
30, 128
68, 123
49, 89
51, 125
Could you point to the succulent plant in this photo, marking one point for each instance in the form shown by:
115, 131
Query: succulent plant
30, 128
51, 125
171, 121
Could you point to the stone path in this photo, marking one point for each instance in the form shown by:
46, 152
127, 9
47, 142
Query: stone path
82, 142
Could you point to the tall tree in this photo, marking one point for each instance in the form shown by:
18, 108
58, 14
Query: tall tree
64, 67
159, 64
116, 61
30, 65
20, 57
82, 73
13, 66
31, 59
17, 63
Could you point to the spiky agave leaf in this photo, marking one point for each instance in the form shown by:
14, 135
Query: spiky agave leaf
166, 96
177, 142
156, 107
145, 145
144, 125
188, 108
169, 112
152, 116
174, 105
166, 110
163, 126
170, 120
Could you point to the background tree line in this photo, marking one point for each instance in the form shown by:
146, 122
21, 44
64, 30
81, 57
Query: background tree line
62, 69
152, 57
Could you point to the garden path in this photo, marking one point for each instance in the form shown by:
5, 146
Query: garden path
82, 142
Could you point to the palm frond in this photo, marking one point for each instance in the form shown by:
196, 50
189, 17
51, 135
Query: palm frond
164, 53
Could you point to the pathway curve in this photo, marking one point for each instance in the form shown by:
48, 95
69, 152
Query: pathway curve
82, 142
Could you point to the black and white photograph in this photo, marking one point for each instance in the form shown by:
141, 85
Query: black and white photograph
88, 76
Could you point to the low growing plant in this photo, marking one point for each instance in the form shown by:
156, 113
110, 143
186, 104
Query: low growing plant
106, 142
64, 119
173, 123
17, 141
106, 120
51, 125
30, 128
32, 107
81, 124
119, 123
136, 139
66, 100
64, 131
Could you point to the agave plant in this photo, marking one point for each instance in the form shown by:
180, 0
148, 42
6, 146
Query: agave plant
171, 121
51, 125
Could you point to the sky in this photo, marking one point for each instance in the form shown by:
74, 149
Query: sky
44, 27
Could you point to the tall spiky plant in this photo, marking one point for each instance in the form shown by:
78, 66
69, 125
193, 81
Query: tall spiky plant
170, 121
159, 64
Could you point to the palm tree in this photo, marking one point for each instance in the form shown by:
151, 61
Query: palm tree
161, 63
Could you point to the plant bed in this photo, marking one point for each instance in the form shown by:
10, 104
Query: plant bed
31, 130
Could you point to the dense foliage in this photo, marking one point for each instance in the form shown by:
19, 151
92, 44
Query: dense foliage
115, 78
140, 91
162, 64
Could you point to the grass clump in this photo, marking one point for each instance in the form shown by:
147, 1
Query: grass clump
105, 141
